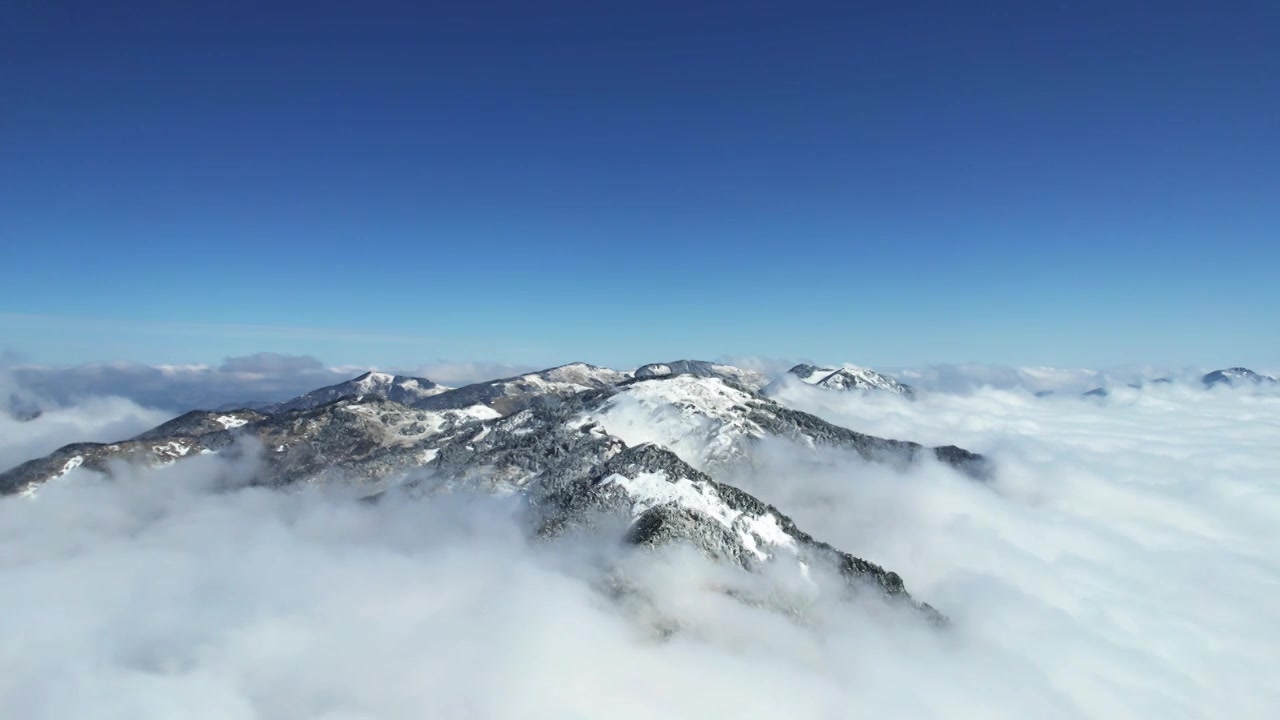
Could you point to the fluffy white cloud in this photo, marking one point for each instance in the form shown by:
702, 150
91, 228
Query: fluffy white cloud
1122, 565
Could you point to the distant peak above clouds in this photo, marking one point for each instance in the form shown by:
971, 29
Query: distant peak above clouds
1237, 376
850, 378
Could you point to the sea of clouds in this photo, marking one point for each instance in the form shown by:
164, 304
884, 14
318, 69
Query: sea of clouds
1124, 563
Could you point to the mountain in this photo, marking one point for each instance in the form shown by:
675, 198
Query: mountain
399, 388
1237, 377
597, 457
201, 422
851, 378
369, 438
749, 379
714, 424
508, 395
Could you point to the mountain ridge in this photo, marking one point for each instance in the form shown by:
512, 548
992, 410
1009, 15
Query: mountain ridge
552, 450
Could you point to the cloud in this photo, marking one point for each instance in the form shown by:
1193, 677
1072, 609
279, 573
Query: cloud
1132, 540
183, 591
1122, 565
177, 388
464, 373
973, 377
98, 419
267, 363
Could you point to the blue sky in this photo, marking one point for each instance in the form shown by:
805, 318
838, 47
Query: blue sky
887, 183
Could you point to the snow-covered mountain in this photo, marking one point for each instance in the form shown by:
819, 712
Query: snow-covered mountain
398, 388
508, 395
849, 378
1237, 377
580, 444
714, 425
749, 379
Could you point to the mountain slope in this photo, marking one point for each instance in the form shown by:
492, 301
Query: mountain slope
575, 473
714, 425
359, 439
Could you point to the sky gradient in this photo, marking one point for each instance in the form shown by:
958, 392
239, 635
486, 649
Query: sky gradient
389, 184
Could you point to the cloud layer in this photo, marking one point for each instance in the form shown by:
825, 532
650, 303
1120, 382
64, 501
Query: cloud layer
1123, 564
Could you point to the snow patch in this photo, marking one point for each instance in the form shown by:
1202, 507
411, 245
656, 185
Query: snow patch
650, 490
700, 419
71, 464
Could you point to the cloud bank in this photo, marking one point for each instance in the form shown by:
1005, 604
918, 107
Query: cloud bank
1123, 564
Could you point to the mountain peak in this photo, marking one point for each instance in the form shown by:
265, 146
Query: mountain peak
703, 368
397, 388
375, 375
1235, 376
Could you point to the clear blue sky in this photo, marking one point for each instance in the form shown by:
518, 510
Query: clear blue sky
889, 183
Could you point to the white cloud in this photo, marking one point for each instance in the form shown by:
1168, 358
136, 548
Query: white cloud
98, 419
973, 377
1123, 565
456, 374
